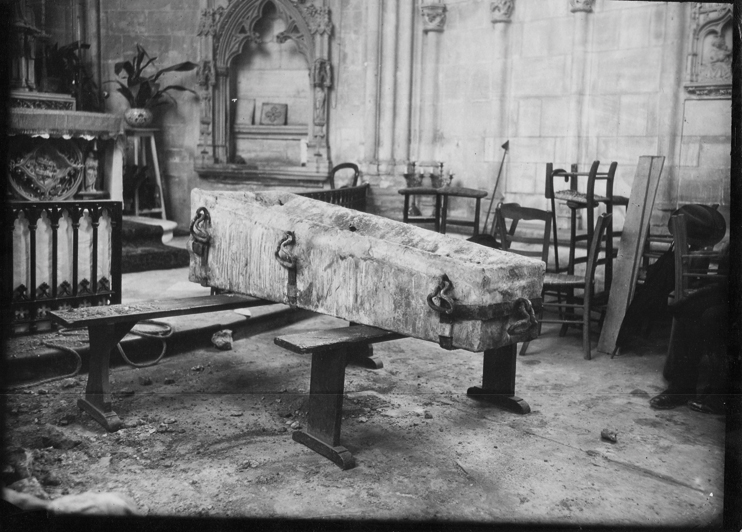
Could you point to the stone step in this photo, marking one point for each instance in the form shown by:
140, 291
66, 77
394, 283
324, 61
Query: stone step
168, 226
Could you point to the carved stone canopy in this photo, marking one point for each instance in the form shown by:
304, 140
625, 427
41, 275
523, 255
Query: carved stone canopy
227, 32
709, 66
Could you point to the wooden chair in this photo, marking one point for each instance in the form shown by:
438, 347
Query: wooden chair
345, 166
567, 283
588, 201
507, 218
694, 268
696, 271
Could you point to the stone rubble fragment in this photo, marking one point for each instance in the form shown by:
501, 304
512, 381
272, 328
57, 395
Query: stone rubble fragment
610, 435
222, 340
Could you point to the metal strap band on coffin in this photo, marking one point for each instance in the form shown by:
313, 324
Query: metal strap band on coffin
522, 308
490, 312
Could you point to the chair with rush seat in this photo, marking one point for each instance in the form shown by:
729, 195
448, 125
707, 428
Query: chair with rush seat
589, 301
589, 200
345, 166
559, 284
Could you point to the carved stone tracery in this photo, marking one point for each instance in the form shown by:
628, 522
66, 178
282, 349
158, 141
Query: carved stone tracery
209, 23
227, 31
45, 169
709, 67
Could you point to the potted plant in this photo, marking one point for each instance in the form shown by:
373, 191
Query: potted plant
143, 91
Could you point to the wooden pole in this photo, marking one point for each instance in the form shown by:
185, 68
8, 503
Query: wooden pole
505, 147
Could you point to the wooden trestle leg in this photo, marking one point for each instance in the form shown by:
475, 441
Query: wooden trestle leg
97, 401
362, 356
498, 380
326, 408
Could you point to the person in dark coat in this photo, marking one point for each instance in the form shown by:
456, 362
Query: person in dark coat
700, 327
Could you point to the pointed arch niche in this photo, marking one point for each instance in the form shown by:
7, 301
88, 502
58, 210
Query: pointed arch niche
263, 55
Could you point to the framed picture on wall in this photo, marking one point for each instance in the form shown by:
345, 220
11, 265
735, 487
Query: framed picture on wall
273, 114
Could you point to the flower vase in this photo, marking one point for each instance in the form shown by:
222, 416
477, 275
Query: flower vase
138, 117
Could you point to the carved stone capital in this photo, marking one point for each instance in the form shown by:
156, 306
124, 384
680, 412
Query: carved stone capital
581, 6
434, 17
501, 10
318, 19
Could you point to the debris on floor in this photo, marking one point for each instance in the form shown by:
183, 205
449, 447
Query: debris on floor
610, 435
222, 340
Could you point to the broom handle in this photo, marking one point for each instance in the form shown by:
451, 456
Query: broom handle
492, 199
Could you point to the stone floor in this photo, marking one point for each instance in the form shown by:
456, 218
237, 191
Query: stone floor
215, 440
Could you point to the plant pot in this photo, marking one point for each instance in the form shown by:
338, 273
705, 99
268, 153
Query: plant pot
138, 117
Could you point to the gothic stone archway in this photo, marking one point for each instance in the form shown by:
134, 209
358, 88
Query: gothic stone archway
226, 31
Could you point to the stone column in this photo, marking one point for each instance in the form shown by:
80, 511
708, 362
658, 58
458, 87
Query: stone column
220, 115
501, 12
404, 83
206, 152
370, 132
578, 81
92, 9
434, 20
670, 107
387, 94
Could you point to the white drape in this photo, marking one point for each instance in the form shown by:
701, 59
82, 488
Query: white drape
44, 264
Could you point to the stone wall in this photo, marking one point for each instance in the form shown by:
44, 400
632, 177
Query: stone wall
167, 30
565, 81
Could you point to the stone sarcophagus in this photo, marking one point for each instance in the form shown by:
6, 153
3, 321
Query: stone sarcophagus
363, 268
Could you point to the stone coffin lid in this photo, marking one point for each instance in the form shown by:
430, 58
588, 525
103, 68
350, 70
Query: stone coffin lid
66, 124
357, 266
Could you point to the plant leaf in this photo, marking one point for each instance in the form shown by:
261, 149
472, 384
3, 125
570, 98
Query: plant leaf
180, 67
126, 93
125, 66
177, 88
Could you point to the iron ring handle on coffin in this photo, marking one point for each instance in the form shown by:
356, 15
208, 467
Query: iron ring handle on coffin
522, 308
199, 234
282, 255
288, 261
440, 294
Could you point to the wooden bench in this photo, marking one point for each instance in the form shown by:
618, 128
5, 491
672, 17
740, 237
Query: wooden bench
331, 351
107, 326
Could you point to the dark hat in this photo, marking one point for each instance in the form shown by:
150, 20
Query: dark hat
705, 226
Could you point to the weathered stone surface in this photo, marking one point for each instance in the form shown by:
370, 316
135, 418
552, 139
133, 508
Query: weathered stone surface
356, 266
